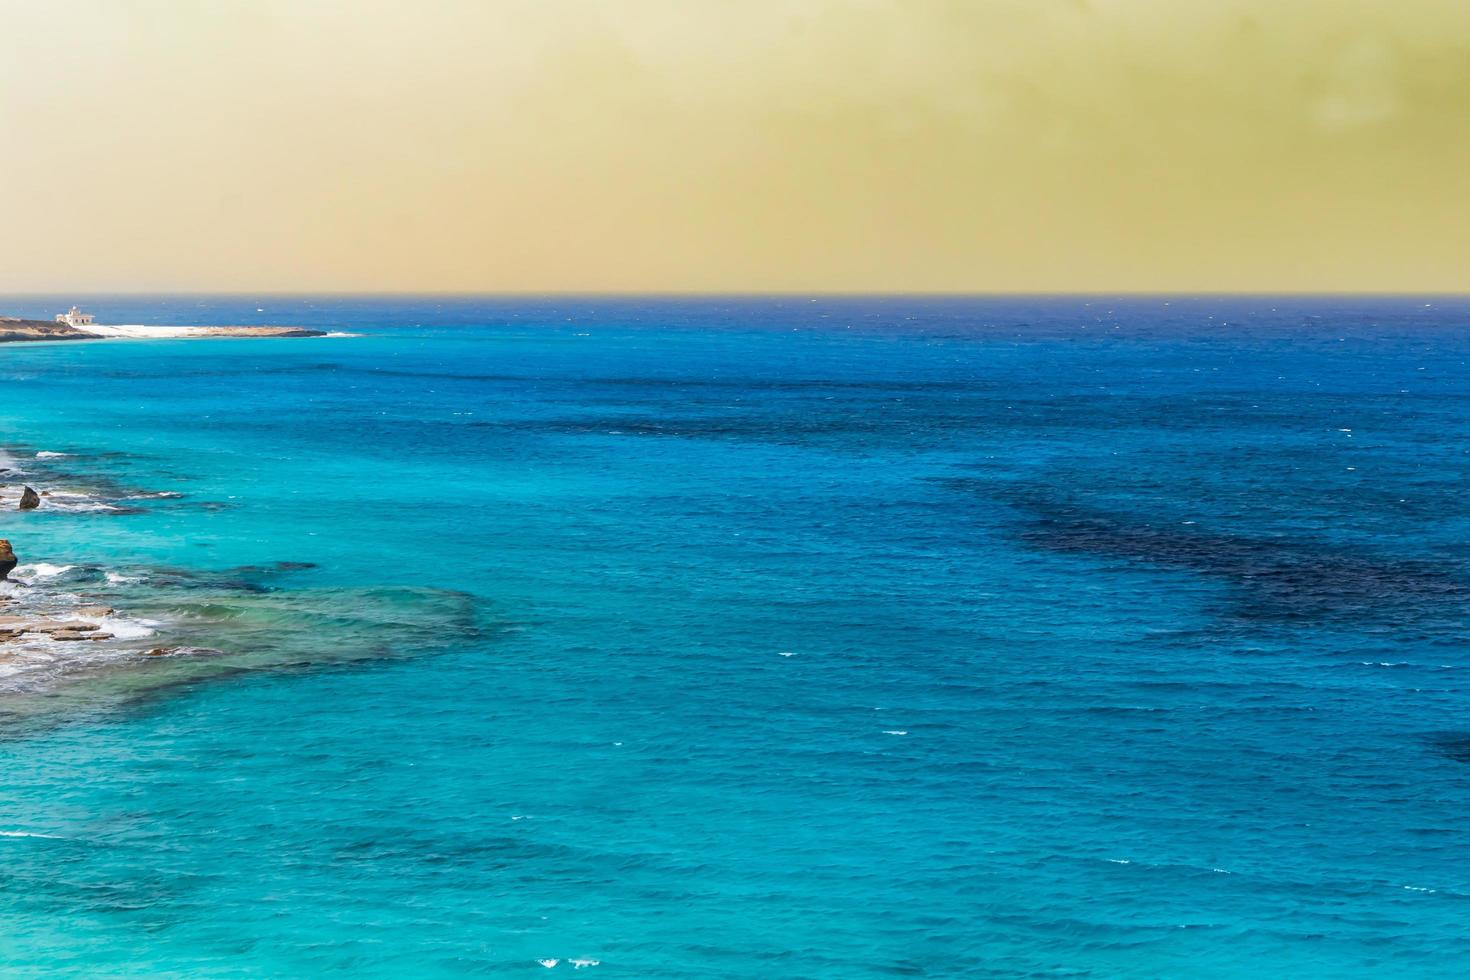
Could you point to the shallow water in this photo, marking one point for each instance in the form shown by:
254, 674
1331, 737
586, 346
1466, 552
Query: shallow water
751, 638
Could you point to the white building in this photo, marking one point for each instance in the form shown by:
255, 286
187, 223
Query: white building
74, 318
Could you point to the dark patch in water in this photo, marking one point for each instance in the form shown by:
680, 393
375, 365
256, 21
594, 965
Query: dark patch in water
273, 567
1277, 578
1452, 745
785, 425
232, 580
208, 505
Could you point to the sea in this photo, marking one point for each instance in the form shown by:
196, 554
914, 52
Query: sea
670, 637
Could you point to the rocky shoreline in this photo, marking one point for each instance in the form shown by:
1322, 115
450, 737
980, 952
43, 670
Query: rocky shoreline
46, 622
78, 629
13, 329
16, 329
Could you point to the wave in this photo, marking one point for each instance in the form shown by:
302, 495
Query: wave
122, 628
30, 574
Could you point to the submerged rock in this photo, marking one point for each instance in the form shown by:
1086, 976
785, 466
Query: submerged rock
183, 651
29, 499
8, 561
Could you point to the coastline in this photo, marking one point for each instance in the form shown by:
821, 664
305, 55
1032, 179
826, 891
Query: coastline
17, 329
86, 629
14, 329
48, 614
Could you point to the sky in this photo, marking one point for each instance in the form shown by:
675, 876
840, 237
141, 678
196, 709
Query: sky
735, 145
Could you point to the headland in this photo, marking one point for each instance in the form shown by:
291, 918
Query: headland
18, 329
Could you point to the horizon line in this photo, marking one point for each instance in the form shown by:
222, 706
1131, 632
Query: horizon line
761, 294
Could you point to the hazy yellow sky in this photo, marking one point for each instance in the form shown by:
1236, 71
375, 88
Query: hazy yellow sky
734, 145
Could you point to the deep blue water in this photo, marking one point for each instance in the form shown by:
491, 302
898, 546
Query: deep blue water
756, 638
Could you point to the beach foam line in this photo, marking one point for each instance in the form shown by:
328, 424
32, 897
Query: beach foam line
142, 330
145, 331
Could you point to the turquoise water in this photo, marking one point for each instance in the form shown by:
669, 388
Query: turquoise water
758, 638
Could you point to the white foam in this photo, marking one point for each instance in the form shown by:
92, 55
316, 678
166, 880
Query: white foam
41, 570
123, 629
117, 578
548, 963
69, 501
140, 330
24, 833
46, 454
578, 964
895, 732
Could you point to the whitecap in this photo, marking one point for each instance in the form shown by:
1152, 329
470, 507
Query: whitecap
123, 629
578, 964
26, 833
896, 732
40, 570
548, 963
46, 454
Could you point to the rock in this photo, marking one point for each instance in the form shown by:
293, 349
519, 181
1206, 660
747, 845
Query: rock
45, 493
29, 499
66, 626
15, 328
183, 651
69, 635
8, 560
95, 611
